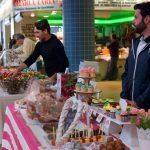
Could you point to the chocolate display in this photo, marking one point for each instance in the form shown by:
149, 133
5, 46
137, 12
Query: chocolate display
112, 144
19, 83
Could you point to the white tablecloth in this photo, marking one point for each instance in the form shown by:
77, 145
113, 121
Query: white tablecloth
5, 99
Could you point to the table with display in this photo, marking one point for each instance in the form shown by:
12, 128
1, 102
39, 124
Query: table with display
18, 128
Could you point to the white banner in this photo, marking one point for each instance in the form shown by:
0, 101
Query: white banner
29, 5
116, 4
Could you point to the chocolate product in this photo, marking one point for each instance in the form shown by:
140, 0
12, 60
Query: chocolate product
110, 139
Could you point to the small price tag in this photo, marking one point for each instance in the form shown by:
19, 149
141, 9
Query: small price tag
123, 104
90, 112
92, 146
58, 94
107, 122
106, 125
99, 118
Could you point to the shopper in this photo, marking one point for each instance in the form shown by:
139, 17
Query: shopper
136, 78
112, 70
25, 46
50, 48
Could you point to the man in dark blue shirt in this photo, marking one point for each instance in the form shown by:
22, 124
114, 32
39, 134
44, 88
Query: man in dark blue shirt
50, 48
136, 77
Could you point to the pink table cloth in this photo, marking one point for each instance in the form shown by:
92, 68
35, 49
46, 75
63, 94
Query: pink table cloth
16, 134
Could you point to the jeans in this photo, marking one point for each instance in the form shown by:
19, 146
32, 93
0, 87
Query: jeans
112, 71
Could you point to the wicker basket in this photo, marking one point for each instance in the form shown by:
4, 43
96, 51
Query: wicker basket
14, 85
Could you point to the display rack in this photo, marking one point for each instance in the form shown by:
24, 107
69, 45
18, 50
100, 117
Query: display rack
128, 131
87, 95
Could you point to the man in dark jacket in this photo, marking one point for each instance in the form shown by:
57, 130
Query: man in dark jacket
112, 70
136, 78
50, 48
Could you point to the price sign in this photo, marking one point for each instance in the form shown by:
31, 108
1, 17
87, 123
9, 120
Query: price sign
123, 104
92, 146
106, 125
58, 94
99, 118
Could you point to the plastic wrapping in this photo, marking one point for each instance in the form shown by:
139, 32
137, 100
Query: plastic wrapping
42, 103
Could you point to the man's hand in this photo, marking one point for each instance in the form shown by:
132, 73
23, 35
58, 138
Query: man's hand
14, 73
17, 70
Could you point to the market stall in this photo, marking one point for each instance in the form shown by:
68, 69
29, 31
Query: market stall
83, 120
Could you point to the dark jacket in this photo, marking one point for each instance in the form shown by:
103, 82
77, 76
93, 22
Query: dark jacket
54, 56
136, 78
114, 49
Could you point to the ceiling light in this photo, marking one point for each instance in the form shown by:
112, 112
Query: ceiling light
32, 14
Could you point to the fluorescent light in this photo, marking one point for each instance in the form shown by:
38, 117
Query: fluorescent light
97, 21
45, 16
113, 21
55, 22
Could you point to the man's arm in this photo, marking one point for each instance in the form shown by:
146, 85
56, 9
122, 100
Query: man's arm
18, 69
61, 56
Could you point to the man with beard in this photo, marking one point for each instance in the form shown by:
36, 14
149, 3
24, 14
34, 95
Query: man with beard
136, 78
51, 50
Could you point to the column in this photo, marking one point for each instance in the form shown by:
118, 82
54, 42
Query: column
78, 23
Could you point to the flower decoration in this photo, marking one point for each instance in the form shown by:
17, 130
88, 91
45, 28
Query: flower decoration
68, 82
143, 119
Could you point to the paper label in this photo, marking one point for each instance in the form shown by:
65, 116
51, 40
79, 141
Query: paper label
106, 125
58, 94
123, 104
99, 118
92, 146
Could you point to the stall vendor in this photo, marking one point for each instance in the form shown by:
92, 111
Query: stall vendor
50, 48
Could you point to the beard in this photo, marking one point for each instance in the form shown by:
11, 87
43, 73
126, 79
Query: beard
140, 27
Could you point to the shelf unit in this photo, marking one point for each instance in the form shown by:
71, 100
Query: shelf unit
128, 131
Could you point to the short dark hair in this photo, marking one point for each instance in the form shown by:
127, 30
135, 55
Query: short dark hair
114, 36
42, 25
18, 36
144, 7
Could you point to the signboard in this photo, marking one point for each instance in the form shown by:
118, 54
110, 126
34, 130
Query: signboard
29, 5
28, 30
116, 4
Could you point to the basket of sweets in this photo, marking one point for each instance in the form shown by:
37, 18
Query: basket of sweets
14, 85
